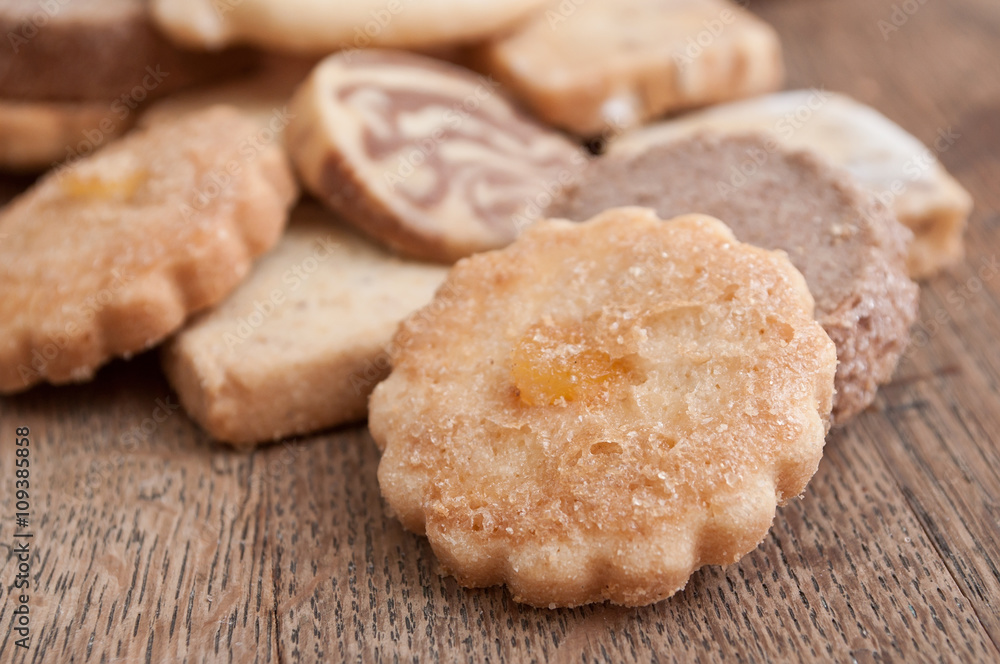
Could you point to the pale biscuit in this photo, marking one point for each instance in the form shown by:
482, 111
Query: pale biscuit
600, 409
319, 26
108, 257
604, 65
849, 247
422, 155
902, 172
35, 135
300, 344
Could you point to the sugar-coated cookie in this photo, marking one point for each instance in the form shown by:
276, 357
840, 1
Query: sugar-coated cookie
422, 155
300, 344
35, 135
604, 65
600, 409
109, 256
849, 247
319, 26
902, 172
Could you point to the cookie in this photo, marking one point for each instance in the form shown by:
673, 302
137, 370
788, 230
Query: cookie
600, 409
849, 247
37, 135
903, 173
424, 156
96, 50
108, 257
605, 65
300, 344
319, 27
263, 94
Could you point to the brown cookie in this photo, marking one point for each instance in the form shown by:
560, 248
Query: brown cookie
850, 248
605, 65
422, 155
96, 50
108, 257
600, 409
901, 171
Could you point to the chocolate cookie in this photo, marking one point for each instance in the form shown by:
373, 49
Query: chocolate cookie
95, 50
423, 155
849, 247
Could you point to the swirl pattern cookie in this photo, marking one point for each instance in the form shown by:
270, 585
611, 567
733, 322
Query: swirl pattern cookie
108, 257
850, 248
600, 409
424, 156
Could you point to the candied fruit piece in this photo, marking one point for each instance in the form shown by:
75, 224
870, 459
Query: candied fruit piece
551, 363
102, 186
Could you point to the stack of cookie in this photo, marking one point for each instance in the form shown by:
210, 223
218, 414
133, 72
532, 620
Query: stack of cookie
589, 375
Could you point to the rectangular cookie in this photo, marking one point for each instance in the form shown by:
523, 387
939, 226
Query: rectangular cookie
902, 172
610, 64
301, 343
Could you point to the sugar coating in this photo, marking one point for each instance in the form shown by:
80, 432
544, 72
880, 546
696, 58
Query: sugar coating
109, 256
600, 409
850, 249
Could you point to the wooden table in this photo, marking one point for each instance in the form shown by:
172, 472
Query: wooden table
153, 544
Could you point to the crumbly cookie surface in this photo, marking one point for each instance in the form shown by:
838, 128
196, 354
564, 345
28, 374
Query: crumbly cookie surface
599, 410
108, 256
850, 248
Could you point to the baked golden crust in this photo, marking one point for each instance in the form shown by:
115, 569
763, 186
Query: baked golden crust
602, 408
107, 257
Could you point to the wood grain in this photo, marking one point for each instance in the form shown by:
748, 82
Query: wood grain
154, 544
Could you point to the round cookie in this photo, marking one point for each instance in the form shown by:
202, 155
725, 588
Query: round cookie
600, 409
108, 257
319, 27
96, 50
850, 249
424, 156
36, 135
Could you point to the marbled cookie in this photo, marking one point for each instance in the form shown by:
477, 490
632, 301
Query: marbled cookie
849, 247
604, 65
600, 409
902, 172
423, 155
108, 257
300, 344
